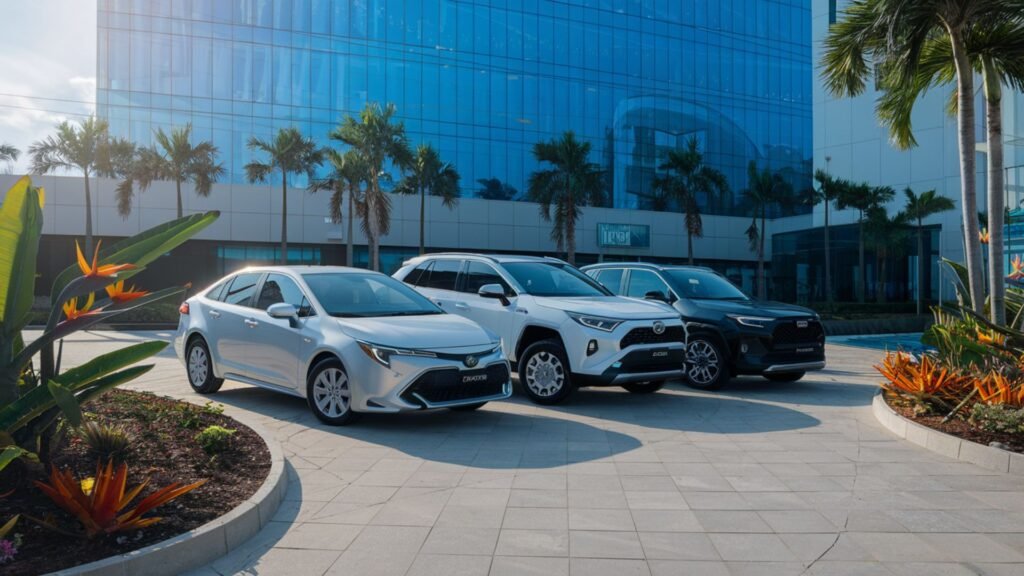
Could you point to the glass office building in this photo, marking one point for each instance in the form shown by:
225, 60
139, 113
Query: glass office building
481, 80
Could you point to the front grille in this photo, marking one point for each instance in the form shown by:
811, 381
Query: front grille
787, 334
672, 334
447, 385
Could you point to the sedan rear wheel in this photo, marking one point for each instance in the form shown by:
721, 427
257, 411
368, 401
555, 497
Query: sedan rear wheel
329, 394
200, 367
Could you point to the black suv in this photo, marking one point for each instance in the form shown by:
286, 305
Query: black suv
729, 332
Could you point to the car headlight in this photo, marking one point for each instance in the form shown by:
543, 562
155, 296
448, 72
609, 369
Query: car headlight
596, 322
382, 354
752, 321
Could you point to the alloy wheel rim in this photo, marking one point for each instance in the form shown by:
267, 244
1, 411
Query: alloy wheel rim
545, 374
331, 393
702, 362
198, 366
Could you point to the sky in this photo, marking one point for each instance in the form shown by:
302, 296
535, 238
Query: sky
48, 59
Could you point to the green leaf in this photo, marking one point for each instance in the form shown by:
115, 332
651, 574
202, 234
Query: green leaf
67, 403
6, 528
12, 453
21, 224
142, 248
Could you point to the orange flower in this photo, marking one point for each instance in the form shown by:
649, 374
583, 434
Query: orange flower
990, 337
1016, 268
96, 270
72, 311
117, 292
984, 236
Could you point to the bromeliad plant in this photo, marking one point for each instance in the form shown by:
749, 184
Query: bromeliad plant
33, 397
922, 380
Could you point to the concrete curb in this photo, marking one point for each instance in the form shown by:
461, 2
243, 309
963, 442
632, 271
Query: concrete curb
210, 541
950, 446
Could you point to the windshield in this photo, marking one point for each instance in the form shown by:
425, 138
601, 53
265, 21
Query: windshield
553, 279
363, 295
704, 285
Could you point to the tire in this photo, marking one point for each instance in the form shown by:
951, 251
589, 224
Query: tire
544, 372
644, 387
329, 394
468, 407
784, 376
199, 367
706, 367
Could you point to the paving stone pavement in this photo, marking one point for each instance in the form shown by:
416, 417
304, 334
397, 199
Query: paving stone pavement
759, 478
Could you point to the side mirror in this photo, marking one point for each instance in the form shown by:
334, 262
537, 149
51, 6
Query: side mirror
656, 295
494, 291
284, 311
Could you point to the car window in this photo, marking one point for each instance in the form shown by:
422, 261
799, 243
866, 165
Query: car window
554, 279
216, 293
478, 274
643, 281
277, 289
704, 285
611, 279
443, 275
362, 295
416, 275
242, 289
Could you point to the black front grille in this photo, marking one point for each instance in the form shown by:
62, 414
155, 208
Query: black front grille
450, 384
787, 334
636, 336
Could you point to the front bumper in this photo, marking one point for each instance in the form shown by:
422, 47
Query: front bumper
632, 352
783, 346
646, 364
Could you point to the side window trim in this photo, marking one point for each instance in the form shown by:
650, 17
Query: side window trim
424, 276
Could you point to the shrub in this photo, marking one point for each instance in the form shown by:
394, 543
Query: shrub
215, 439
996, 418
104, 440
923, 381
999, 389
213, 409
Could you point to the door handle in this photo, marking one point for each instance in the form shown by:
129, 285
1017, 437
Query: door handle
251, 323
461, 306
214, 314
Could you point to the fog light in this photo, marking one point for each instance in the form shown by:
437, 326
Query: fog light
744, 348
591, 347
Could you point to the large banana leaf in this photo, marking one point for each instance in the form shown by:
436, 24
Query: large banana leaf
21, 223
142, 248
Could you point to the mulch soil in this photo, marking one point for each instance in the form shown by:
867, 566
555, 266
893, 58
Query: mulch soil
960, 428
163, 449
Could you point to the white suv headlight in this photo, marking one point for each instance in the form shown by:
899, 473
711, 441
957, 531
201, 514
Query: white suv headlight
596, 322
382, 354
752, 321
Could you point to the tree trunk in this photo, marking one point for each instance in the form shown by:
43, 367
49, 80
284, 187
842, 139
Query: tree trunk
689, 245
88, 217
177, 184
570, 228
969, 199
762, 290
828, 259
996, 199
862, 277
423, 217
880, 295
349, 248
284, 218
373, 239
920, 266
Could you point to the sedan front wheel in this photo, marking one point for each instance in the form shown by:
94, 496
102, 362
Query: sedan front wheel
329, 393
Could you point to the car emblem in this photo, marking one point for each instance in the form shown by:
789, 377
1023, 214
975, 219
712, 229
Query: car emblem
472, 361
659, 327
801, 323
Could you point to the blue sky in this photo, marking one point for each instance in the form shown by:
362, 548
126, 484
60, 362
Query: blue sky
48, 58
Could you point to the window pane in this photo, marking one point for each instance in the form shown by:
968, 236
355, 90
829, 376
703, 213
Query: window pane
479, 274
278, 289
443, 275
642, 281
242, 289
611, 279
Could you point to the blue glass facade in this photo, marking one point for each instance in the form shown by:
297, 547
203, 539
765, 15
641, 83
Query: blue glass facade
482, 80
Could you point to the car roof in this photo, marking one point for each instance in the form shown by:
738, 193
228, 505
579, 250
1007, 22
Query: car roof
646, 265
496, 258
304, 269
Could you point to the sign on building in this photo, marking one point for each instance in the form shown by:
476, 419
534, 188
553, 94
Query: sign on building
623, 235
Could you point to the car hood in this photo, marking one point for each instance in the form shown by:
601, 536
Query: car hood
754, 308
428, 332
610, 306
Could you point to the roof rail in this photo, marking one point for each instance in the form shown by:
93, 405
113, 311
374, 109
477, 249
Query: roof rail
468, 254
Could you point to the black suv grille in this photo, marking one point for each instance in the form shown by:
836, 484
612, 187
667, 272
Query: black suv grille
636, 336
789, 334
449, 385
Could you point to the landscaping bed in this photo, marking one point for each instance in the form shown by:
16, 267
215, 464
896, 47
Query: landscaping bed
959, 427
163, 448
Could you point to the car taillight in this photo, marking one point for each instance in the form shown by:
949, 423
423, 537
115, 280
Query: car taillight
183, 309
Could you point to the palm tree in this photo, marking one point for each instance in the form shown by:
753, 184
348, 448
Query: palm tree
888, 238
429, 176
572, 183
377, 140
688, 176
9, 154
894, 35
495, 189
765, 188
289, 152
85, 147
919, 207
348, 174
863, 197
175, 159
828, 191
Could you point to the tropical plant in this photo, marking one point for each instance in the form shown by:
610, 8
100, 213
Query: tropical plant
31, 400
9, 154
563, 190
428, 175
100, 504
864, 199
828, 191
998, 418
495, 189
765, 188
348, 173
999, 389
887, 236
923, 381
174, 158
215, 439
378, 140
86, 147
104, 440
289, 152
686, 179
918, 208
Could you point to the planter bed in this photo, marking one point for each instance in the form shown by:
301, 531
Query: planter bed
960, 428
164, 449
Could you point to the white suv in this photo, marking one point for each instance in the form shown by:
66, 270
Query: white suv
560, 328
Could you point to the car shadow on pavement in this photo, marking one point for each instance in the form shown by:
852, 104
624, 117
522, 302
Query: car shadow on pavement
818, 389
